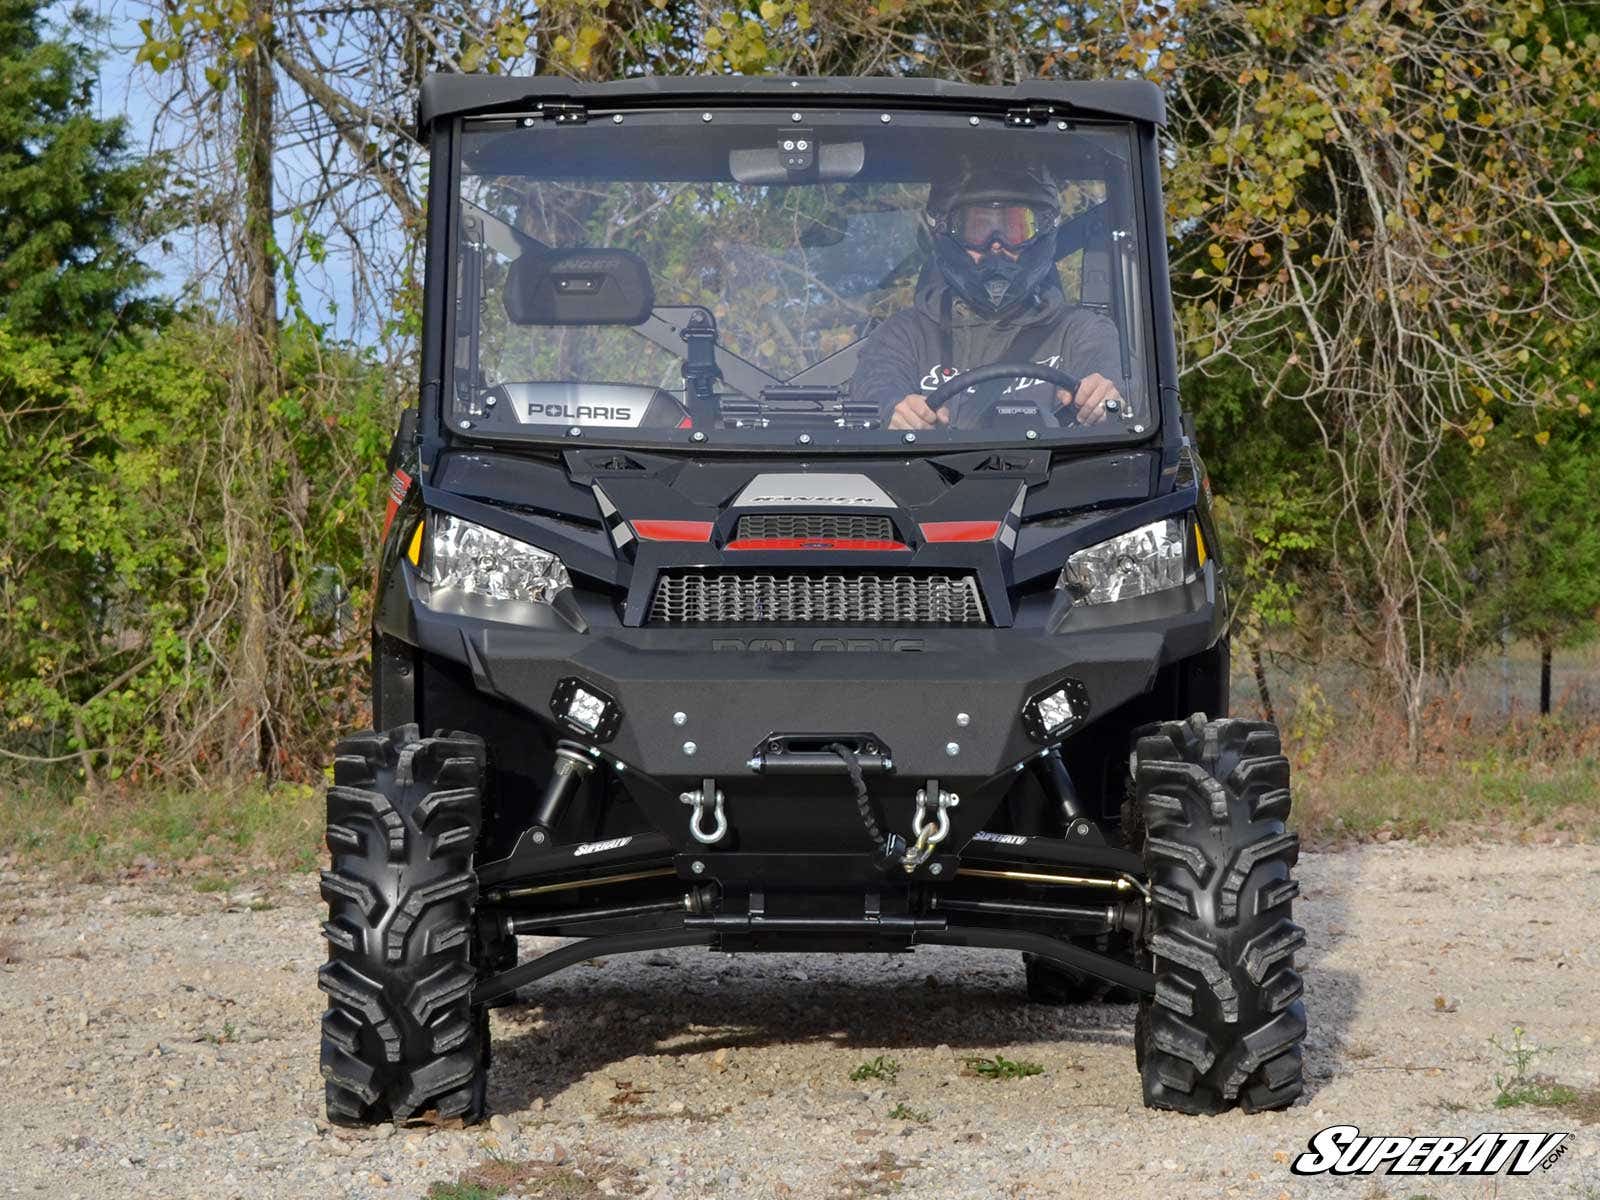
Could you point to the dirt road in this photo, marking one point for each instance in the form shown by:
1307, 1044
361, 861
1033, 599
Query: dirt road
161, 1042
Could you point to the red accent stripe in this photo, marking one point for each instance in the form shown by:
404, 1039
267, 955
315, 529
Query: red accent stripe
813, 544
399, 484
673, 531
686, 423
960, 531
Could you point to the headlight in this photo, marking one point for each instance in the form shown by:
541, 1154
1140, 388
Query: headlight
457, 554
1151, 558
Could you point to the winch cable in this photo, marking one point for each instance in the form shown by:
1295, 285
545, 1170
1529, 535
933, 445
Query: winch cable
858, 781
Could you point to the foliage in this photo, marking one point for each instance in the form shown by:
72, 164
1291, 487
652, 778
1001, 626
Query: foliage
1001, 1067
116, 616
69, 197
882, 1068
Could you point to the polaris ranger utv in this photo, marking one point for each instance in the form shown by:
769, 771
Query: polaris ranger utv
797, 546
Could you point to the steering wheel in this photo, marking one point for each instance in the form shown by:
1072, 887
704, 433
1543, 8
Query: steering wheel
950, 388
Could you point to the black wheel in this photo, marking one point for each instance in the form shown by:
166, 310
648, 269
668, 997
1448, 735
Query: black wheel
1227, 1022
401, 1037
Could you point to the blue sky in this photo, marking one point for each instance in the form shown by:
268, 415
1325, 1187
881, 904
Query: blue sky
130, 90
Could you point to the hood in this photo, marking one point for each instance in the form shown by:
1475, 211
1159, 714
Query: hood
622, 518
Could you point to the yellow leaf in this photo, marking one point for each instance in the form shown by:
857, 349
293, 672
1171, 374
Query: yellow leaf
1542, 437
1436, 141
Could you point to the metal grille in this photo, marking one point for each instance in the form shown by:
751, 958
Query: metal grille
842, 527
695, 597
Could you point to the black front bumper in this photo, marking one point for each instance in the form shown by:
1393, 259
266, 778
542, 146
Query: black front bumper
699, 702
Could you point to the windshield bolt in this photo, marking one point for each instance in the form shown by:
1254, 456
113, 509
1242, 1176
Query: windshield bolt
788, 143
1112, 406
972, 120
466, 424
885, 118
1138, 428
1061, 125
575, 431
616, 119
963, 719
705, 116
527, 122
805, 439
697, 436
952, 748
911, 437
678, 718
1033, 435
490, 401
794, 116
689, 748
698, 867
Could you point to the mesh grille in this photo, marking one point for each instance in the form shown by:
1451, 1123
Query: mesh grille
844, 527
694, 597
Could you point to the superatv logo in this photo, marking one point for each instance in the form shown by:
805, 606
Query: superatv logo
560, 410
600, 847
1345, 1150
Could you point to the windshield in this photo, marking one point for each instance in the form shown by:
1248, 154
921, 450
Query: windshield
760, 278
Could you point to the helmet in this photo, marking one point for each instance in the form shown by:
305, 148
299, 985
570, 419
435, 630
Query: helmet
998, 214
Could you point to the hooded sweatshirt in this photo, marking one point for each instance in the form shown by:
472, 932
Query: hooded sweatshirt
902, 356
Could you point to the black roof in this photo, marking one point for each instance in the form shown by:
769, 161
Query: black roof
446, 96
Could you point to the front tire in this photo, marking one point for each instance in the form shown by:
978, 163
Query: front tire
401, 1037
1227, 1022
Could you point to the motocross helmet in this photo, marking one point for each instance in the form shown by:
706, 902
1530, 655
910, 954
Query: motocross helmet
1007, 217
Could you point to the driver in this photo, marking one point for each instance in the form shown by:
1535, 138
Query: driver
990, 294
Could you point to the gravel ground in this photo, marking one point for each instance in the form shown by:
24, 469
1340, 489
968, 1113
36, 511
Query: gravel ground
162, 1042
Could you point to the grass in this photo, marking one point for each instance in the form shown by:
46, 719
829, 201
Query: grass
1001, 1067
230, 1033
278, 826
1456, 799
1518, 1089
881, 1068
904, 1112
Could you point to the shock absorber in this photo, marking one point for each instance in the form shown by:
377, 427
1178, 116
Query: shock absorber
1053, 776
572, 766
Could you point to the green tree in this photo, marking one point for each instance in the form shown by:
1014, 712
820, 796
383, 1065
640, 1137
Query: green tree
69, 194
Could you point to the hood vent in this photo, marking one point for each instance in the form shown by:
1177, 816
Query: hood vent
829, 527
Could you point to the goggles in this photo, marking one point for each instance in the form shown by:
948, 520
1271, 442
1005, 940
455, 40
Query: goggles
979, 226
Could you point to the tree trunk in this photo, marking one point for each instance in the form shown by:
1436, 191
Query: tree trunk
250, 493
1261, 683
1545, 656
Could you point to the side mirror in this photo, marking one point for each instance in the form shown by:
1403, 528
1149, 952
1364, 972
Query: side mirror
581, 286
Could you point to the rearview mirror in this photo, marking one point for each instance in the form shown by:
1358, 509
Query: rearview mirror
834, 162
582, 286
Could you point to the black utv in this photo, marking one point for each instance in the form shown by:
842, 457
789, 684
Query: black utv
797, 546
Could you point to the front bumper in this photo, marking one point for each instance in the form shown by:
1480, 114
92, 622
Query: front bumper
946, 703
